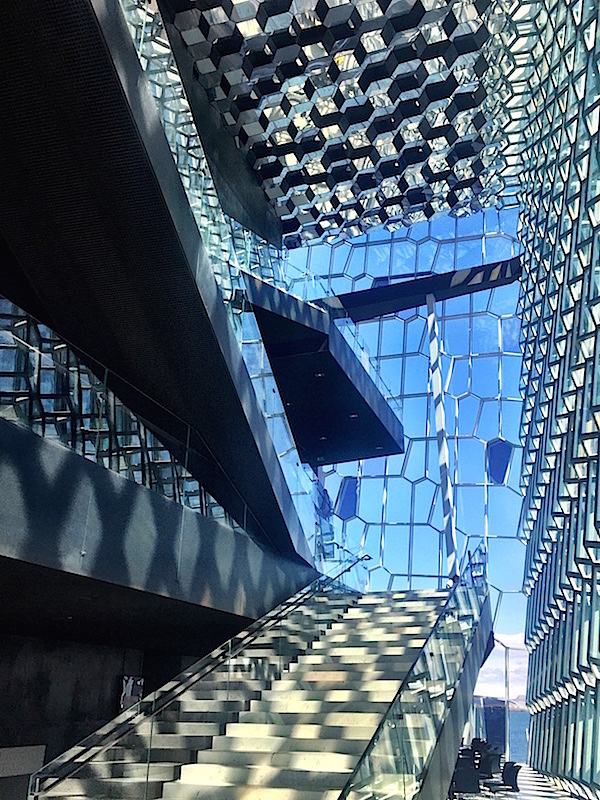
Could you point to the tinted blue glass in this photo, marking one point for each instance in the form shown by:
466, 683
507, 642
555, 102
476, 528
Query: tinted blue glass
378, 260
511, 330
470, 509
414, 416
345, 505
395, 555
368, 333
456, 337
416, 374
491, 220
459, 380
514, 475
498, 459
319, 260
426, 256
511, 419
502, 552
341, 254
391, 373
404, 255
485, 334
504, 299
419, 231
445, 261
415, 334
484, 376
379, 580
503, 512
340, 285
370, 499
357, 262
457, 305
398, 500
511, 376
480, 300
426, 550
392, 336
424, 494
497, 248
470, 225
469, 253
443, 228
374, 466
378, 234
415, 464
468, 409
471, 461
487, 427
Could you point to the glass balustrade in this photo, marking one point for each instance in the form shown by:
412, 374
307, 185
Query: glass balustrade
144, 742
396, 761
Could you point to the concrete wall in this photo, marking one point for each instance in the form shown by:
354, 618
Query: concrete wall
56, 693
61, 511
100, 577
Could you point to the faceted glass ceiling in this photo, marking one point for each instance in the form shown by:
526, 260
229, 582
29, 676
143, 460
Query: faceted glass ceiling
354, 114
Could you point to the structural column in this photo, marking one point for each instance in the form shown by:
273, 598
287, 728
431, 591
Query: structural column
435, 369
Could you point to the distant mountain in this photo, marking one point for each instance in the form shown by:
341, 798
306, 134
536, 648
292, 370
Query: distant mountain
516, 704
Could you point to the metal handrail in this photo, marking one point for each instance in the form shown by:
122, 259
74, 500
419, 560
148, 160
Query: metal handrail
409, 675
103, 739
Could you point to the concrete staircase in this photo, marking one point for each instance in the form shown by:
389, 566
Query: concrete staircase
290, 721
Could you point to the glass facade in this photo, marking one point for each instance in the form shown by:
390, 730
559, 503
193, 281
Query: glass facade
498, 121
555, 106
354, 115
392, 507
45, 387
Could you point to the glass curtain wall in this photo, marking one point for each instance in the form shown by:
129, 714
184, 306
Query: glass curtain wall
555, 109
232, 249
392, 507
45, 387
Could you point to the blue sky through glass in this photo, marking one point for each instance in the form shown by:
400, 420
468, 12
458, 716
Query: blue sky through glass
399, 513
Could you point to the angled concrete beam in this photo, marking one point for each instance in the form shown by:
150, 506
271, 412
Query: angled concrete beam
403, 294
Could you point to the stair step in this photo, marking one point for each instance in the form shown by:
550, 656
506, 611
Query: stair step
283, 744
314, 759
351, 730
226, 775
129, 788
200, 716
341, 687
175, 741
359, 658
220, 695
181, 791
337, 671
305, 707
371, 636
224, 683
137, 754
368, 648
215, 704
155, 771
172, 727
328, 718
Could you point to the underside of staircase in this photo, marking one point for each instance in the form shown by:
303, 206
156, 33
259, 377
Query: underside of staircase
287, 719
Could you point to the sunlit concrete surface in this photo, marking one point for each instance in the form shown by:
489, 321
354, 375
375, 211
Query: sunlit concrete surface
532, 786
